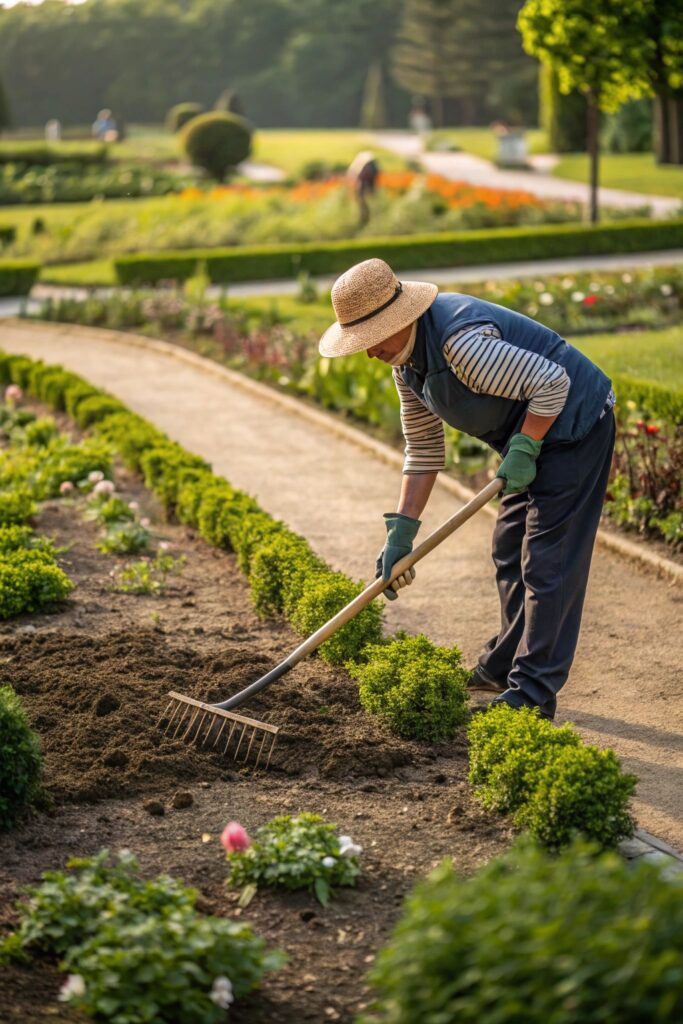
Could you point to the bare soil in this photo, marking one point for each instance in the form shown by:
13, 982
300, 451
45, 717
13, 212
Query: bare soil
93, 677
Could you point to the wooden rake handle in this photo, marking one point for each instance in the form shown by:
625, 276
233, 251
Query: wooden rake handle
375, 588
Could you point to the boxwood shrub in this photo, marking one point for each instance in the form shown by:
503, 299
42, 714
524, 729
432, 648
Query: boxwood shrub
324, 594
30, 580
20, 760
16, 506
417, 687
532, 938
17, 277
279, 570
465, 248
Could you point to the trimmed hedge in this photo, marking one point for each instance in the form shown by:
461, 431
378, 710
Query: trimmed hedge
654, 399
17, 277
465, 248
579, 938
45, 154
7, 234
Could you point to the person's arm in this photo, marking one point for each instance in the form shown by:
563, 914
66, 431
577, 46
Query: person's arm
415, 491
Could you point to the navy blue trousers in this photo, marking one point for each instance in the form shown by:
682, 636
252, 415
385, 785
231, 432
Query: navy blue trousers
542, 547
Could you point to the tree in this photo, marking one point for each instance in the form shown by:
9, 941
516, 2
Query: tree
562, 117
597, 49
372, 111
664, 35
5, 117
426, 52
218, 142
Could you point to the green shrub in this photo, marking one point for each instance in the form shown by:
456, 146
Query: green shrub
76, 392
652, 399
162, 467
17, 277
104, 510
16, 506
217, 142
131, 435
49, 383
303, 852
16, 538
30, 581
8, 234
278, 573
251, 531
418, 688
191, 489
578, 938
20, 760
465, 248
580, 789
95, 408
143, 951
40, 432
220, 511
179, 115
326, 593
65, 461
18, 370
46, 154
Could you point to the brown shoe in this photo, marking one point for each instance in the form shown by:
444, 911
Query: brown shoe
481, 680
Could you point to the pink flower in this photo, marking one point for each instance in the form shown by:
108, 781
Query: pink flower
103, 487
145, 522
234, 837
95, 476
13, 393
66, 487
133, 505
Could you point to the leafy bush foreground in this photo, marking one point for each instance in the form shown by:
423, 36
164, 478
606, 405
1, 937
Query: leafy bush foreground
20, 760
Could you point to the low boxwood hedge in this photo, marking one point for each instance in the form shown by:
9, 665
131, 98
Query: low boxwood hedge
45, 154
20, 760
458, 249
7, 234
17, 277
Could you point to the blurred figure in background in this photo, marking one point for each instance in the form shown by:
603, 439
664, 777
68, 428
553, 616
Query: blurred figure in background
362, 176
104, 126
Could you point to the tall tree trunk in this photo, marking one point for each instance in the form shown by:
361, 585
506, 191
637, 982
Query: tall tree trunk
437, 108
676, 128
662, 129
593, 147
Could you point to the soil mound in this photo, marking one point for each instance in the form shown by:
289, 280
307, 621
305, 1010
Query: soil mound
96, 703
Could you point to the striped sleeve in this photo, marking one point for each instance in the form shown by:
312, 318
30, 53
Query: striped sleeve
425, 449
486, 364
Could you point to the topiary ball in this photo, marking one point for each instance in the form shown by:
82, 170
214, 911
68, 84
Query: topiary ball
179, 115
217, 142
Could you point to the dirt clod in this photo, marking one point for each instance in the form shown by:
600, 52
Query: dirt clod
154, 807
182, 800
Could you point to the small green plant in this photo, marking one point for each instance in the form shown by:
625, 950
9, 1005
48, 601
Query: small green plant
148, 576
536, 938
125, 538
138, 951
418, 688
16, 538
20, 760
106, 509
16, 506
325, 593
302, 852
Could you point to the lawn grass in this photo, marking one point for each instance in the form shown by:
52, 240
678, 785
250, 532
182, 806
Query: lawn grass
656, 356
634, 172
91, 274
291, 149
482, 141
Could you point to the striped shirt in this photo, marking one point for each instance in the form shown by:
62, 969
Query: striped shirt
486, 364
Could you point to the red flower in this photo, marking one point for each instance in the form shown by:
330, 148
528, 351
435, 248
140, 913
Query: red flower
590, 300
653, 430
640, 424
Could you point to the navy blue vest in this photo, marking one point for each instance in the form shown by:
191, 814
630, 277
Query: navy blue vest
492, 419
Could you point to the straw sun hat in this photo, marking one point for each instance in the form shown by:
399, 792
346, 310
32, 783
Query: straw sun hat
372, 304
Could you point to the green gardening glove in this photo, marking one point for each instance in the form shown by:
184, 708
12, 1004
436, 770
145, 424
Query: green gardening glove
518, 468
401, 532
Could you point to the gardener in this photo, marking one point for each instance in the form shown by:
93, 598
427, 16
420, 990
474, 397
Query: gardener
543, 406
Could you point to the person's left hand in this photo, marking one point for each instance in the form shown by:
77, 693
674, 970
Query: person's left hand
518, 468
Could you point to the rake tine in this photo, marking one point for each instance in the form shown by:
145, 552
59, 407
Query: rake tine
251, 744
220, 732
270, 752
186, 710
261, 748
232, 729
199, 729
163, 715
192, 721
244, 729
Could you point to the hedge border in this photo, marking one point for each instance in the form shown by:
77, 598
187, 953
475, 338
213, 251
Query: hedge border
463, 248
179, 478
17, 277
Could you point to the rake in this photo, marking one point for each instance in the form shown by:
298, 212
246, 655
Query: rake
218, 726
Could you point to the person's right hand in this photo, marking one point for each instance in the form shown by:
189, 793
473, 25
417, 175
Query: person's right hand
401, 532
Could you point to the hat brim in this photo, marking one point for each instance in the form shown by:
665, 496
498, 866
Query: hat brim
416, 297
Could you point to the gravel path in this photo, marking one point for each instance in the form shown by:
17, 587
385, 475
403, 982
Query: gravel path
477, 171
627, 683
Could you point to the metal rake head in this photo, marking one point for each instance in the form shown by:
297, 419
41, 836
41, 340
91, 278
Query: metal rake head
210, 728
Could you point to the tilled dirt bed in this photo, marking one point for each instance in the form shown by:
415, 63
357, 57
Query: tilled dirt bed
94, 677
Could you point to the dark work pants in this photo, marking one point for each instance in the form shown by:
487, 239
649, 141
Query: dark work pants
542, 547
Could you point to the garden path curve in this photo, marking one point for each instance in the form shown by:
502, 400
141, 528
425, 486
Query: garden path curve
626, 687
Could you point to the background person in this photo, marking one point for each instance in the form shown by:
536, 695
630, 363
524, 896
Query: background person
362, 176
543, 406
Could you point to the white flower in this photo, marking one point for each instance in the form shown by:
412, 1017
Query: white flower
567, 283
103, 487
347, 847
329, 862
626, 278
164, 545
546, 299
666, 289
145, 522
609, 289
95, 476
578, 296
221, 992
133, 506
594, 286
532, 309
73, 987
539, 286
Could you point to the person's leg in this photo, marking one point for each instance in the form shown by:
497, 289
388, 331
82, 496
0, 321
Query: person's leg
564, 512
496, 659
